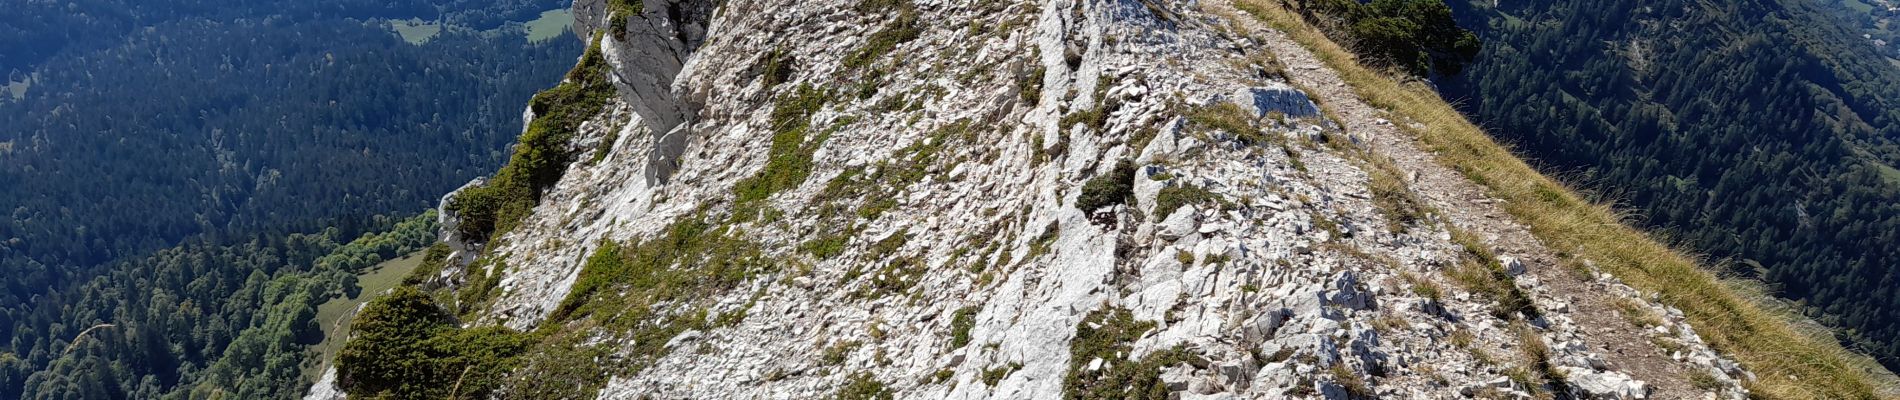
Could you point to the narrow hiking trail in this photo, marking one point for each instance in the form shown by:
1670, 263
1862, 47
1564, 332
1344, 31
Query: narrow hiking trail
1629, 348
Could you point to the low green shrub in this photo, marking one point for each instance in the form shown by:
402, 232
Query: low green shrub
405, 346
1113, 188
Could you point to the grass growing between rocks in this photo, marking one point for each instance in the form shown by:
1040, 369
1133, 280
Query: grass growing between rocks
1535, 371
620, 283
1480, 272
788, 162
1174, 197
993, 376
960, 326
1231, 118
1355, 385
877, 188
1390, 195
618, 11
903, 29
1029, 84
863, 386
1109, 334
777, 67
1789, 362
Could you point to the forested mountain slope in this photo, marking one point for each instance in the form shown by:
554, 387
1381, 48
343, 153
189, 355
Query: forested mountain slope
172, 168
230, 121
196, 321
1759, 132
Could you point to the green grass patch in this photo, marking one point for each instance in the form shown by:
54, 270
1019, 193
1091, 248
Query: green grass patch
17, 91
890, 244
549, 25
334, 316
1043, 242
605, 146
788, 162
881, 44
960, 326
826, 246
1422, 287
1095, 118
993, 376
838, 352
1355, 385
896, 276
415, 31
1534, 359
863, 386
433, 260
777, 67
877, 192
1109, 334
1231, 118
1479, 271
480, 287
689, 260
560, 367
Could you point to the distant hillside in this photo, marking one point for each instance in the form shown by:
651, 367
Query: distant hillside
1759, 132
227, 122
157, 163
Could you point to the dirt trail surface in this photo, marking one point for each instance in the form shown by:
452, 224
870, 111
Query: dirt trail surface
1629, 348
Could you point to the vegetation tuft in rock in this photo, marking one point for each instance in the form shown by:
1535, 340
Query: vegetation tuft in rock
1109, 189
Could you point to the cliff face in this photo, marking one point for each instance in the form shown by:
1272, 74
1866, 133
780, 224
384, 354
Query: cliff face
993, 199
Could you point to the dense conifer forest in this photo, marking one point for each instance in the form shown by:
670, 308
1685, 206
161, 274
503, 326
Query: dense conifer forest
1761, 133
179, 170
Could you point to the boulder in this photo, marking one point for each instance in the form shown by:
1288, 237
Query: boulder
1181, 223
1277, 97
1512, 265
1606, 384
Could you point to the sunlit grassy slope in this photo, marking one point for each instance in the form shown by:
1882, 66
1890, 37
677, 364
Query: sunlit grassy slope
1789, 362
334, 314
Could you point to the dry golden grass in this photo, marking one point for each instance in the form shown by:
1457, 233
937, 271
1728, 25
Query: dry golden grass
1790, 363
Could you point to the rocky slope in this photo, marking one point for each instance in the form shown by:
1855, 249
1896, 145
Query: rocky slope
996, 199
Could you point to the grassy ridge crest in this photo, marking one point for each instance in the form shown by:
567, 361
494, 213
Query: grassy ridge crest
1789, 362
